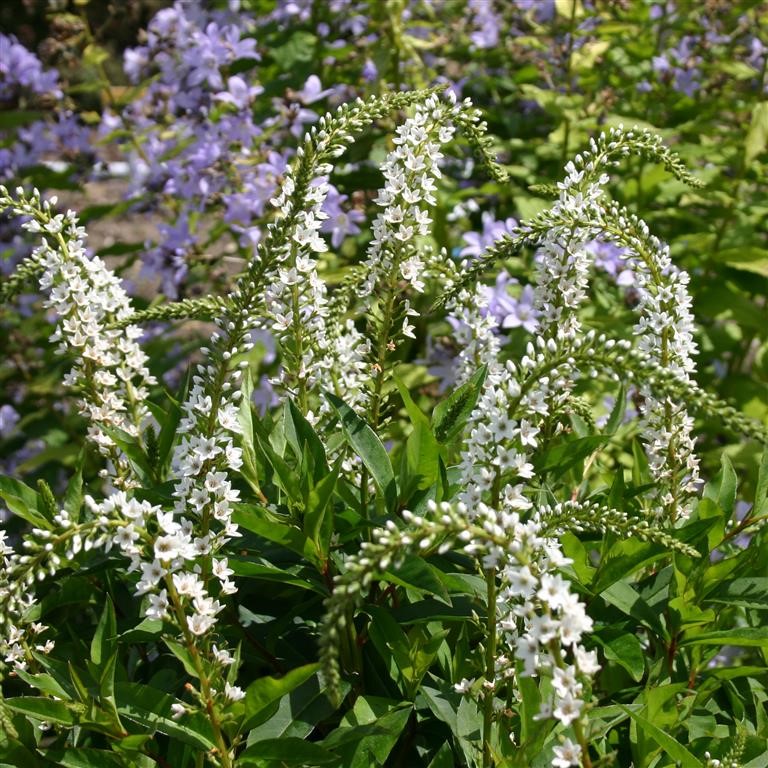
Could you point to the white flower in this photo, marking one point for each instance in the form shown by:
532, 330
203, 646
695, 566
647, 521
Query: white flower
568, 709
151, 573
158, 605
199, 624
188, 584
527, 433
222, 656
564, 681
566, 755
554, 590
168, 548
178, 710
464, 686
221, 569
503, 427
233, 693
586, 661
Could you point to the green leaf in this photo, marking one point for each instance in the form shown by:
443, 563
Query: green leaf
625, 558
617, 413
145, 631
262, 695
369, 448
318, 518
82, 757
623, 596
287, 751
301, 436
73, 496
261, 522
757, 136
746, 593
443, 757
446, 705
567, 454
626, 650
722, 489
43, 682
170, 424
415, 573
391, 642
151, 708
292, 575
130, 446
301, 47
43, 709
376, 726
24, 502
450, 416
751, 637
11, 119
672, 747
104, 642
640, 472
183, 655
285, 477
761, 490
422, 450
299, 712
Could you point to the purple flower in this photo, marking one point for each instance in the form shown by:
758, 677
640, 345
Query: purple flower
312, 91
609, 401
264, 396
686, 81
339, 223
239, 93
479, 242
486, 23
613, 260
168, 260
522, 314
660, 64
508, 311
21, 70
544, 10
9, 417
440, 361
370, 72
265, 339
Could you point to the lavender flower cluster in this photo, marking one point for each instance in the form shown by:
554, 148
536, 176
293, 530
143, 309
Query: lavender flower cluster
24, 82
196, 138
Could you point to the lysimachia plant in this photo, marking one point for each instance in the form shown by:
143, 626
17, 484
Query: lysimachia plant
519, 578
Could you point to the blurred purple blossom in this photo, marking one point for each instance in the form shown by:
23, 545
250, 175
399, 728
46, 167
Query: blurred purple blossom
544, 10
264, 396
239, 93
511, 312
340, 222
9, 417
478, 242
22, 72
486, 23
614, 261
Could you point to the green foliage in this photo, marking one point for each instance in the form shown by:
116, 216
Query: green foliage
364, 629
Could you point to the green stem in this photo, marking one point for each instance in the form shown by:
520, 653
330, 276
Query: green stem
490, 665
197, 663
568, 86
490, 642
382, 340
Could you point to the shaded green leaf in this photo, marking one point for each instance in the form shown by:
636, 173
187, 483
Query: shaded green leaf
369, 448
450, 415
